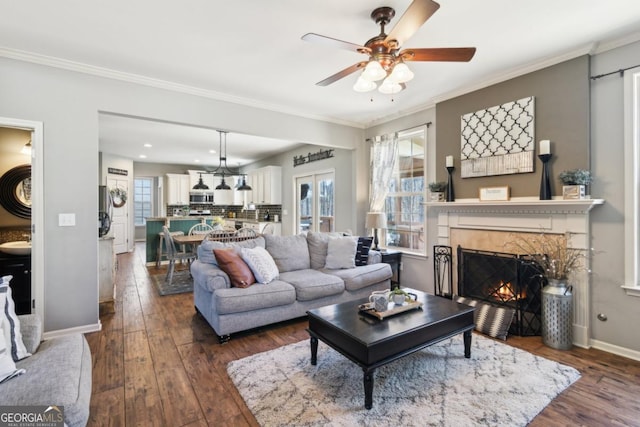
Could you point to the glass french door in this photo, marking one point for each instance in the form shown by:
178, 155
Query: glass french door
316, 202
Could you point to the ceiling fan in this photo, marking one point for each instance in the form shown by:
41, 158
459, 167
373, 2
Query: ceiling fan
386, 60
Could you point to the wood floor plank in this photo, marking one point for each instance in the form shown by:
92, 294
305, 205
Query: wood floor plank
158, 363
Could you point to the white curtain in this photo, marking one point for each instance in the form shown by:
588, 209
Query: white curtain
384, 150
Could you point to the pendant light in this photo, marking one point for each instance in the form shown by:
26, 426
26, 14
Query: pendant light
200, 185
224, 170
244, 186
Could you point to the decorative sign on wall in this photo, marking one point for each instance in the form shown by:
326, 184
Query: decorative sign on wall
498, 140
116, 171
312, 157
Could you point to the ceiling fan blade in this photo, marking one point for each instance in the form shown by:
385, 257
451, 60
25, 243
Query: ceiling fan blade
331, 42
341, 74
416, 14
453, 54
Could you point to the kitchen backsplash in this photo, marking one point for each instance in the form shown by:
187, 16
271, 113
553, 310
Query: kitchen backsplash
224, 211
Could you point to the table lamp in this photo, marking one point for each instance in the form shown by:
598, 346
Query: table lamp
376, 220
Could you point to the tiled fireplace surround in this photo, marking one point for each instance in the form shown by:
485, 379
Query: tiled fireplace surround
489, 225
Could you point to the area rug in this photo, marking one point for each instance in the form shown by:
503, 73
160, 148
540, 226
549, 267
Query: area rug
182, 282
499, 386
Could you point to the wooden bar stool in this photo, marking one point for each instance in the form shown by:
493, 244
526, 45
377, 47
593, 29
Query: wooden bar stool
160, 251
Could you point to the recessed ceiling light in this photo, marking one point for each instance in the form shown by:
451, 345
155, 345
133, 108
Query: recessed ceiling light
212, 151
197, 161
142, 156
148, 145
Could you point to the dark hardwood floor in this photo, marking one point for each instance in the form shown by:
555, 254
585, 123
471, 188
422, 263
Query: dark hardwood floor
158, 363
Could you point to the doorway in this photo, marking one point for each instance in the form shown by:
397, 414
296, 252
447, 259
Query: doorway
36, 224
316, 202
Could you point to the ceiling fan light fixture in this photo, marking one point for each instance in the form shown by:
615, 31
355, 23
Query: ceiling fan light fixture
401, 73
364, 85
389, 88
374, 71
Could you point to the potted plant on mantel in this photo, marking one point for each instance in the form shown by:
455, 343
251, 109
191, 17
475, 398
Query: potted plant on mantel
575, 182
437, 190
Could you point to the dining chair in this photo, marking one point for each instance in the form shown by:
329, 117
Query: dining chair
174, 255
200, 228
246, 233
268, 229
220, 235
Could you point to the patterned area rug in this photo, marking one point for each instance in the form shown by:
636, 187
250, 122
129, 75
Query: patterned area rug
182, 282
499, 386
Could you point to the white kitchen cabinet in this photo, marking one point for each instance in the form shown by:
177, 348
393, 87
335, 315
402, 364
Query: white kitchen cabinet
259, 226
266, 183
107, 270
178, 187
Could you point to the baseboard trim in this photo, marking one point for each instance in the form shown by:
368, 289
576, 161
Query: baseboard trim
84, 329
615, 349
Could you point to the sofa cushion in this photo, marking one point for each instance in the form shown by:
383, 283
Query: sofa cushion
289, 252
230, 262
205, 249
237, 300
361, 277
362, 251
312, 284
318, 244
341, 252
260, 261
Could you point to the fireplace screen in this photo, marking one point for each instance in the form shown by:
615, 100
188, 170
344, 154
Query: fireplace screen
506, 280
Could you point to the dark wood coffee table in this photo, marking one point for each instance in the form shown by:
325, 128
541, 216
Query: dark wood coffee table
370, 342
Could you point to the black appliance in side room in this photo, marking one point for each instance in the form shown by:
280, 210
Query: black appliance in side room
105, 210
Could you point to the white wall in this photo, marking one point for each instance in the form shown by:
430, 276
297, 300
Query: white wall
68, 104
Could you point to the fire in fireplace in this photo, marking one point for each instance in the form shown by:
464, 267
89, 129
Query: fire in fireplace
506, 280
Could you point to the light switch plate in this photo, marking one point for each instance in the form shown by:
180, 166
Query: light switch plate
66, 220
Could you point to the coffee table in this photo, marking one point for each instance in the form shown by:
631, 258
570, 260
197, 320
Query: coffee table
370, 342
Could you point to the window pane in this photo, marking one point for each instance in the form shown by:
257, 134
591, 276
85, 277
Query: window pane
405, 212
142, 200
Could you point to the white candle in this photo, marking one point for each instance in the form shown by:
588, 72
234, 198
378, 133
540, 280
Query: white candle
449, 161
545, 146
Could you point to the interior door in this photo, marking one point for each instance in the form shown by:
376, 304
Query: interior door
120, 219
316, 198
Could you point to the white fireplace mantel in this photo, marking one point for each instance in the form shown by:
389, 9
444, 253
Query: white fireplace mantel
519, 205
528, 214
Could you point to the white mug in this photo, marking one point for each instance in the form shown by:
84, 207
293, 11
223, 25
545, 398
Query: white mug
379, 300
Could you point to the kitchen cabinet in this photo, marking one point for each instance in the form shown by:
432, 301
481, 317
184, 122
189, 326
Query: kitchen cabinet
266, 183
20, 268
178, 189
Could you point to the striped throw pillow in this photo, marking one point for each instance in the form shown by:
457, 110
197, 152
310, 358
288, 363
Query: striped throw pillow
489, 319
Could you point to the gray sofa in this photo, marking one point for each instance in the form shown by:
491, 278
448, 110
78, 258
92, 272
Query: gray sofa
303, 283
57, 373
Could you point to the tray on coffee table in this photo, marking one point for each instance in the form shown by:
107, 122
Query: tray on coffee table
391, 311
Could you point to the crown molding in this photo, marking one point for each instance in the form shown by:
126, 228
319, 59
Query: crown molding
616, 43
108, 73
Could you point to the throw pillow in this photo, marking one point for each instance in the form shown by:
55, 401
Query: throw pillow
490, 320
205, 249
7, 365
261, 263
11, 323
238, 271
341, 253
362, 251
318, 242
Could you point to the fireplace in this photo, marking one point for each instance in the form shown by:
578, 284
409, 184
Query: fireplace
505, 280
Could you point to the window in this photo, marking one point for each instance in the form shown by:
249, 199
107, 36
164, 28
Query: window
142, 200
632, 180
404, 202
316, 210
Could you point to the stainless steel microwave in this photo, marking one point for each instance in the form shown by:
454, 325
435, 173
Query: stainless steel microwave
200, 197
